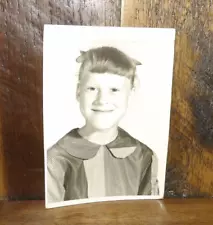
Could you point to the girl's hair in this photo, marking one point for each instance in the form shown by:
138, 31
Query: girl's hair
107, 60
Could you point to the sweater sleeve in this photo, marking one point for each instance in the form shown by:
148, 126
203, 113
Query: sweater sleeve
149, 173
55, 177
154, 175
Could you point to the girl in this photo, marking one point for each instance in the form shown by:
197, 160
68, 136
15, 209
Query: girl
101, 159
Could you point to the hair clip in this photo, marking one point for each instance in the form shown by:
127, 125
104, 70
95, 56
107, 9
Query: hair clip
81, 58
136, 62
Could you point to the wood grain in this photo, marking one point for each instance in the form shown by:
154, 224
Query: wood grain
21, 131
190, 157
187, 212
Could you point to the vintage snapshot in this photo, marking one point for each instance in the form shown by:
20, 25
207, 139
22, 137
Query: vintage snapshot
106, 112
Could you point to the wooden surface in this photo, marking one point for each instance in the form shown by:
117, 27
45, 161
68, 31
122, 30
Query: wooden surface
21, 131
190, 156
183, 212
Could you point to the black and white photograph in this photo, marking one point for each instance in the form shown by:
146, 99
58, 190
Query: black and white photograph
106, 112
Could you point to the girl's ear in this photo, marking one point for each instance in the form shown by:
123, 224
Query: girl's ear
136, 83
131, 96
78, 92
133, 91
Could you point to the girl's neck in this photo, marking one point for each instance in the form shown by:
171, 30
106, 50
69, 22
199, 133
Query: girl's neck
101, 137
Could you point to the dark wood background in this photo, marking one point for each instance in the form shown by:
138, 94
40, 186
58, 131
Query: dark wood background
190, 156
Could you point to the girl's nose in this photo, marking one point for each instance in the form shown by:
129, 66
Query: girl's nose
102, 97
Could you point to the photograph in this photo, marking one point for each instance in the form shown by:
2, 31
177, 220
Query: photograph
107, 95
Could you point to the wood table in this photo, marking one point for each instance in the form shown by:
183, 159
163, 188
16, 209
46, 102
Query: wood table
149, 212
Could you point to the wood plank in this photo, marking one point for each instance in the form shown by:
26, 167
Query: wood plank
170, 211
21, 133
3, 174
190, 157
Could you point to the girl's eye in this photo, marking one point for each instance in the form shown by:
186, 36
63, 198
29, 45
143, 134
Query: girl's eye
91, 88
114, 89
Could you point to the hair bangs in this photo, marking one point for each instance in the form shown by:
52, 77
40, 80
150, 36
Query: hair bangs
107, 60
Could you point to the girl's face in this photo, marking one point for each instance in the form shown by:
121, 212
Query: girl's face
103, 99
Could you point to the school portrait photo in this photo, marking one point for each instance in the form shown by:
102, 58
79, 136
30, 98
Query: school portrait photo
106, 112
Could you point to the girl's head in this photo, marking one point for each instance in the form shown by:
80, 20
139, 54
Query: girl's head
107, 60
106, 78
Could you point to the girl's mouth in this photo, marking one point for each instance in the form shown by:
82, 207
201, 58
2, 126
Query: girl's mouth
101, 110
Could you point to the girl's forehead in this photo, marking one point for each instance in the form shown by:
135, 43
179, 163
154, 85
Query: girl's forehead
105, 78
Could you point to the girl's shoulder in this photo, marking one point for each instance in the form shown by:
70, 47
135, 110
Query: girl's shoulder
59, 148
140, 145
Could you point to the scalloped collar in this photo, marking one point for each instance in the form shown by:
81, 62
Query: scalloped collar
123, 146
